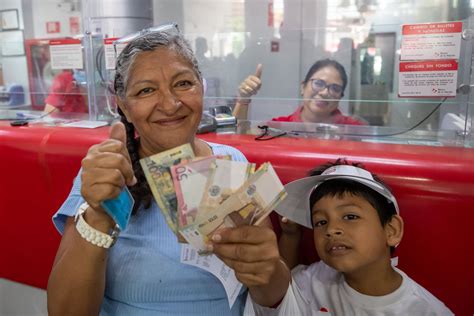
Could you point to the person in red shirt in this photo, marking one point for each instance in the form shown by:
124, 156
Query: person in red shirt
321, 91
67, 94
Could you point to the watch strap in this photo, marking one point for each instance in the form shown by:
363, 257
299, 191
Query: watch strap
91, 234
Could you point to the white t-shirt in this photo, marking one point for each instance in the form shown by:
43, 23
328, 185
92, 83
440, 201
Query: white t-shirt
321, 290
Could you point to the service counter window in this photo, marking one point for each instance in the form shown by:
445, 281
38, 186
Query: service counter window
385, 73
33, 82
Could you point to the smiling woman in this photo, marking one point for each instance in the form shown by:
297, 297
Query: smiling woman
321, 91
160, 95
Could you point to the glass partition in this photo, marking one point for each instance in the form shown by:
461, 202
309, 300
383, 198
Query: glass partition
365, 37
380, 44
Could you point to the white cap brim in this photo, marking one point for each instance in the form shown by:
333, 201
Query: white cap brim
296, 206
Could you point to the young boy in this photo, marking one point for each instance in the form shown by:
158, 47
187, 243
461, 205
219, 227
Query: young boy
356, 226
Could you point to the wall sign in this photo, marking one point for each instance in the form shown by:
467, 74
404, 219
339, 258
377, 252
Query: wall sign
53, 27
431, 41
12, 43
74, 25
429, 60
9, 19
66, 54
110, 54
433, 78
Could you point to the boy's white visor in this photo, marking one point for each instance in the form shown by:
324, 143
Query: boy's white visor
296, 206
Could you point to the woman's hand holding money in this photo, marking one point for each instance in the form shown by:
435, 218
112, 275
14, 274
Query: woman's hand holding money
105, 170
252, 251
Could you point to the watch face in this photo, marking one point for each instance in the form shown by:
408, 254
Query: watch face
115, 233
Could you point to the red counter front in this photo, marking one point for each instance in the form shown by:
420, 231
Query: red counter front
434, 187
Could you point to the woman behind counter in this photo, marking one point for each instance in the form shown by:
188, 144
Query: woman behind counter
321, 90
160, 95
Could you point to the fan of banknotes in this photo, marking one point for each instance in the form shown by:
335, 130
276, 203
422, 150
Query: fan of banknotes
199, 195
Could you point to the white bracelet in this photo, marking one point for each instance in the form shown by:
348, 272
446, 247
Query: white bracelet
91, 234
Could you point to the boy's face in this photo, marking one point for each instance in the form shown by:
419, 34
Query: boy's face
348, 234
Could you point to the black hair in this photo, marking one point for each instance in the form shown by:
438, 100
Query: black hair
339, 187
141, 191
323, 63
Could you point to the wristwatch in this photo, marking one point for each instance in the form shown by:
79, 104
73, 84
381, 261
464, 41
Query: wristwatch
91, 234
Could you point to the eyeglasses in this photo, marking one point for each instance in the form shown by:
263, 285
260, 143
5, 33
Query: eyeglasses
334, 89
169, 27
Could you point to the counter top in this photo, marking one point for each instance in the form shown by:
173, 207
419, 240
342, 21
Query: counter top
434, 187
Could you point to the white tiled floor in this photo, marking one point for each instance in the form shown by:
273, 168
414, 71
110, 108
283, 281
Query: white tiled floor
21, 300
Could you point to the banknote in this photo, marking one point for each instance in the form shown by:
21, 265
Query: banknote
189, 180
158, 175
249, 205
225, 177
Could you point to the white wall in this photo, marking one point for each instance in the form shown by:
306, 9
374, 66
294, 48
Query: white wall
281, 70
52, 11
214, 19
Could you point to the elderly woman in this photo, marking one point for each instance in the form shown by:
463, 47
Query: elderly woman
321, 90
160, 94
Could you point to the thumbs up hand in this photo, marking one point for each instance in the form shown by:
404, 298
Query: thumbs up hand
117, 132
107, 168
251, 84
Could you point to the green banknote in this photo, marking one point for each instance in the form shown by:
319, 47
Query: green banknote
158, 175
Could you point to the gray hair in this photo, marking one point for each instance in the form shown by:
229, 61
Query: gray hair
150, 42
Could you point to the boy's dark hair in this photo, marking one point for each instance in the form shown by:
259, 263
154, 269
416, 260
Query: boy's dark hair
339, 187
